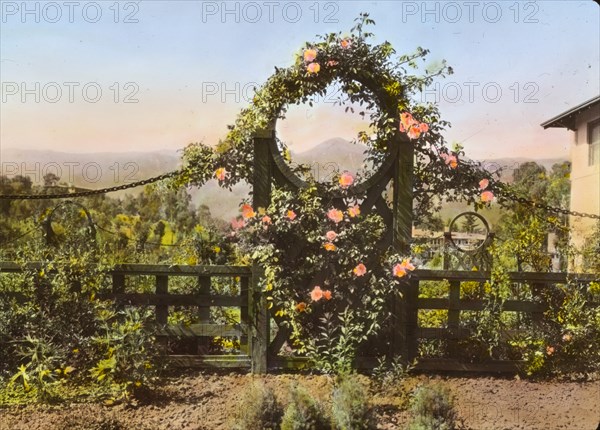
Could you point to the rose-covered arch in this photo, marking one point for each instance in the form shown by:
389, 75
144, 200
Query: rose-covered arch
339, 249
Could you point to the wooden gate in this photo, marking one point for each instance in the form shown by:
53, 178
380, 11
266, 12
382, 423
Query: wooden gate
270, 168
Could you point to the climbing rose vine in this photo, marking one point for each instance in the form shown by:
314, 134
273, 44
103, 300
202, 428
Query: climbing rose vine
330, 272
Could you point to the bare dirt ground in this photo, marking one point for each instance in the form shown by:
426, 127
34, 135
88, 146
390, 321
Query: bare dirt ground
206, 401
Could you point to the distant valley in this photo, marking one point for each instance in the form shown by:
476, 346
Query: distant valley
105, 169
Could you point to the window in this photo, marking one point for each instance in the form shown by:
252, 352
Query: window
594, 142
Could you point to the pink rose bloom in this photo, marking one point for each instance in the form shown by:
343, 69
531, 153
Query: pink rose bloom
401, 269
450, 160
360, 270
327, 295
310, 55
316, 294
221, 174
291, 215
346, 43
483, 184
354, 211
236, 224
487, 196
332, 63
424, 127
266, 219
313, 68
346, 179
335, 215
331, 235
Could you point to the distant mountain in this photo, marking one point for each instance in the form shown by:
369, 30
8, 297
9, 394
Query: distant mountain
87, 170
105, 169
331, 156
340, 154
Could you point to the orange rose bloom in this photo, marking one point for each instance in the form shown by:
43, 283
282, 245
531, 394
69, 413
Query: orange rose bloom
247, 211
329, 246
354, 211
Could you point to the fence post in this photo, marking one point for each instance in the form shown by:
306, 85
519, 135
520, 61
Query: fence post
403, 197
453, 317
118, 287
245, 321
162, 311
405, 308
536, 291
405, 312
261, 198
259, 327
202, 343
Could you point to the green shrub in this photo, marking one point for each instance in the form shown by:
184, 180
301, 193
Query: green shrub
303, 413
259, 409
390, 374
128, 354
571, 330
432, 408
350, 408
429, 423
42, 370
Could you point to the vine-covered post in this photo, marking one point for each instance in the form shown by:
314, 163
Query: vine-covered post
405, 306
261, 198
403, 197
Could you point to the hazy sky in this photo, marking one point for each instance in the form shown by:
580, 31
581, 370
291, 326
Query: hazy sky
148, 75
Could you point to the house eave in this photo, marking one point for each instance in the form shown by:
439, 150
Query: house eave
567, 119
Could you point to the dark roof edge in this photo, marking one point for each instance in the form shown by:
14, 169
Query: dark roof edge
558, 121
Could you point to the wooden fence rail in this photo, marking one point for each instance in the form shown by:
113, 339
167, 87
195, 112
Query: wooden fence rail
253, 328
454, 304
162, 298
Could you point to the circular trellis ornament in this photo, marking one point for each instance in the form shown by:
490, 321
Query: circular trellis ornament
469, 232
69, 218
